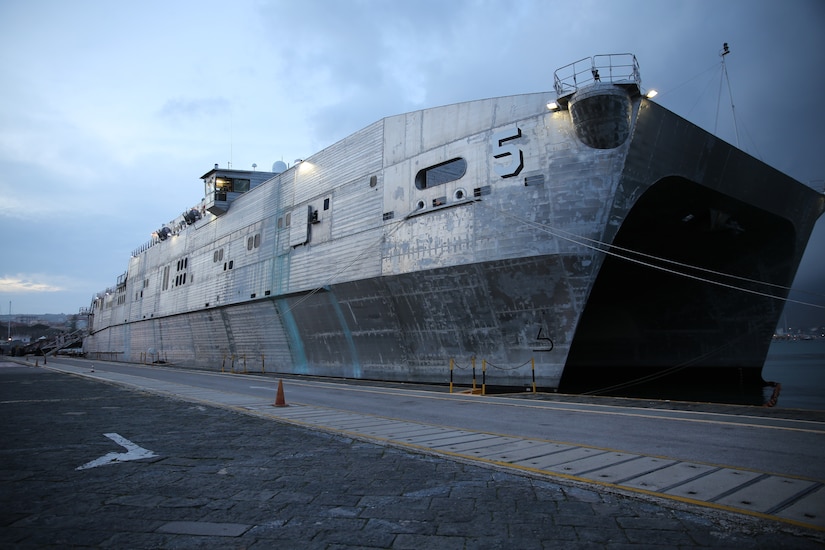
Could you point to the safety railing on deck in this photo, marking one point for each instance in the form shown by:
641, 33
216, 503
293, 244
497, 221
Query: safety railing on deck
617, 68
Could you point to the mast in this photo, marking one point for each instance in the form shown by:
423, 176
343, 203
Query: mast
725, 51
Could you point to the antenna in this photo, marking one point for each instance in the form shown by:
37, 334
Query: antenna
230, 139
724, 52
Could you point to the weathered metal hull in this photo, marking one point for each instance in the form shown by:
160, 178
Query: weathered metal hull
556, 254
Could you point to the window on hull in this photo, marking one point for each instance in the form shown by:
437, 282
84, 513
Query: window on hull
441, 173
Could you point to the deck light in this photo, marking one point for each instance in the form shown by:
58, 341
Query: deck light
553, 106
651, 94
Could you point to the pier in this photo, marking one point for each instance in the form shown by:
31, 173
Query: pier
758, 468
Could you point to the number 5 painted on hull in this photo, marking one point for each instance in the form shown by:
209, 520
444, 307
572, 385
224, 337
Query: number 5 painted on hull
500, 150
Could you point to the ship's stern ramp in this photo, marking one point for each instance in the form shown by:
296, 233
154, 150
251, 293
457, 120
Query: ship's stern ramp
704, 242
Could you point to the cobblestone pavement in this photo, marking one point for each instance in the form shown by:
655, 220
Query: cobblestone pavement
221, 479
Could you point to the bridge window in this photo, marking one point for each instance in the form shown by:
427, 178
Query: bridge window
234, 185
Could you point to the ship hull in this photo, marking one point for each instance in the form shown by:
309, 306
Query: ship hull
399, 328
539, 247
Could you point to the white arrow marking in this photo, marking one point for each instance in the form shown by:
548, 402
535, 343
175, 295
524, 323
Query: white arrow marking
134, 452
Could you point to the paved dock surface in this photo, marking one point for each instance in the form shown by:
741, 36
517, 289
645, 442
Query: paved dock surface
97, 464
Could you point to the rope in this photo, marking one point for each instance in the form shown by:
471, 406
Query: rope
489, 364
659, 374
583, 241
597, 246
456, 365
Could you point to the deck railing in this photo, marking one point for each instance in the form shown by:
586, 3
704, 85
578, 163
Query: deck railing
616, 68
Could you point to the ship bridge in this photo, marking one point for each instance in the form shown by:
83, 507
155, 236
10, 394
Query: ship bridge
224, 185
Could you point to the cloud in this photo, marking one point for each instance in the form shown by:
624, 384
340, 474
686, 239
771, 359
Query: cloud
26, 284
106, 127
182, 108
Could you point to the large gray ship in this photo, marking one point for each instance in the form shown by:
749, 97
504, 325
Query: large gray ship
582, 238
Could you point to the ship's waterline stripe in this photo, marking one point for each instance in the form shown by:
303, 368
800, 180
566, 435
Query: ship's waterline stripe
792, 500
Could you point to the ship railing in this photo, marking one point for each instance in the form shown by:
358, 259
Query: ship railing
176, 226
616, 68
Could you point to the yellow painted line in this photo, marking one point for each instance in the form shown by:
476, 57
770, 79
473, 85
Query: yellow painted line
569, 477
275, 414
261, 410
334, 411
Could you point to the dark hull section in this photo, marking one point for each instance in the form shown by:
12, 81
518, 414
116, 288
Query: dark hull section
737, 385
714, 250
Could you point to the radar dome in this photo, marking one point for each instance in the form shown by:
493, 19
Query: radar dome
279, 166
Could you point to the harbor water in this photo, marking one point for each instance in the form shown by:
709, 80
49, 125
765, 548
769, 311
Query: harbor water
799, 365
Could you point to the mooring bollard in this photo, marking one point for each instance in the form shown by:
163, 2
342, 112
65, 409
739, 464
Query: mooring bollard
451, 374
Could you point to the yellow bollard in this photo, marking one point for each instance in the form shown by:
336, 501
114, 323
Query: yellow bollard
483, 377
451, 374
533, 361
474, 376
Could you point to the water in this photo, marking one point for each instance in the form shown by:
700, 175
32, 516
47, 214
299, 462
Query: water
800, 367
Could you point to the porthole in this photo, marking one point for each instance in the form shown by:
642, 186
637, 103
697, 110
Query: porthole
420, 205
460, 194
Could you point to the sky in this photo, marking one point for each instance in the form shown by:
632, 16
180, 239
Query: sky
111, 111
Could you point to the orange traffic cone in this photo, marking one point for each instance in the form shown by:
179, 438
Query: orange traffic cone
279, 399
